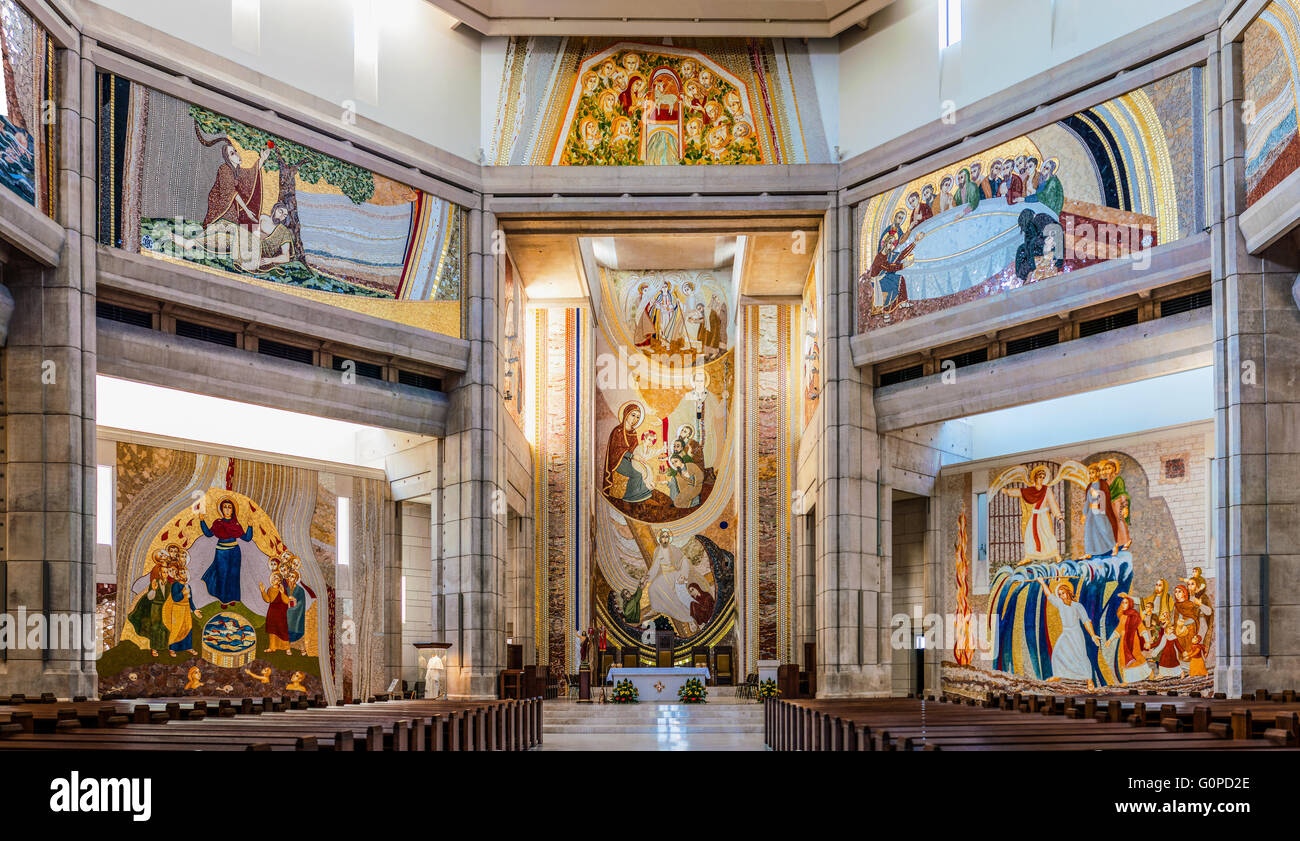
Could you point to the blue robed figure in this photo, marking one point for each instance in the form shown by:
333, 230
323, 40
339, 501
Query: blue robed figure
222, 577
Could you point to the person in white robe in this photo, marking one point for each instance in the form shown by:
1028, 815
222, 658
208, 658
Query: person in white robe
1069, 650
661, 582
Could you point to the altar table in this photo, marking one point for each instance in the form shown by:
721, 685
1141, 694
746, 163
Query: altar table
655, 684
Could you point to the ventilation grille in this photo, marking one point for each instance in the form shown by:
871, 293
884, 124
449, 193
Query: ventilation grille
204, 333
279, 350
1186, 303
423, 381
970, 357
1034, 342
1106, 323
363, 369
112, 312
902, 375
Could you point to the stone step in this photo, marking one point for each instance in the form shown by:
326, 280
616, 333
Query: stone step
715, 722
630, 717
637, 729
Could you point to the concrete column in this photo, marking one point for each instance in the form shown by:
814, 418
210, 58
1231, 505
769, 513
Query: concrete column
49, 433
1257, 497
852, 581
523, 609
473, 503
805, 581
414, 592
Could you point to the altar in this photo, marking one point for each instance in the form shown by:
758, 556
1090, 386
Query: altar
656, 684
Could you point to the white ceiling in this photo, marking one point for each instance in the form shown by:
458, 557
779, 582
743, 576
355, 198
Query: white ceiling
775, 263
644, 251
679, 18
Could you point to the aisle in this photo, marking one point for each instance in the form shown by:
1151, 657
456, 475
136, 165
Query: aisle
722, 724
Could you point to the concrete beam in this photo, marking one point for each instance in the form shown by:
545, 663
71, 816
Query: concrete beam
1186, 258
30, 231
1149, 349
1237, 15
676, 18
1274, 215
162, 359
246, 302
660, 180
631, 207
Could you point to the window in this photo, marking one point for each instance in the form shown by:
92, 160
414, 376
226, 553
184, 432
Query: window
104, 505
980, 580
949, 22
343, 533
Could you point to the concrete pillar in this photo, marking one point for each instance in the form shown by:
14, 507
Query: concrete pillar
473, 497
522, 605
49, 430
413, 610
1257, 497
852, 580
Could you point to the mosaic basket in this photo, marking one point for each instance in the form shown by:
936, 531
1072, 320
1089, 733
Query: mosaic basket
229, 641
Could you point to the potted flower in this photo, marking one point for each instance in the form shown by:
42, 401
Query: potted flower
625, 692
692, 692
768, 689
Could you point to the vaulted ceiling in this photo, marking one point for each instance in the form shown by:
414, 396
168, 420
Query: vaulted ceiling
679, 18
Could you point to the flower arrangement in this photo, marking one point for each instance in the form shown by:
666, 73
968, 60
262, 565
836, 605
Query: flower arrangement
625, 692
768, 689
692, 692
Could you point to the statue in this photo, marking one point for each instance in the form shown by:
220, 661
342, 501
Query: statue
433, 678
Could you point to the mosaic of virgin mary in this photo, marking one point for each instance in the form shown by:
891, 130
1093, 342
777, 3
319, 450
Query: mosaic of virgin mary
629, 474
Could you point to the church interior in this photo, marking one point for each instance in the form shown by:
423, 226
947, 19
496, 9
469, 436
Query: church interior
839, 375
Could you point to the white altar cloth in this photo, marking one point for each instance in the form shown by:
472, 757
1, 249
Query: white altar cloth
654, 684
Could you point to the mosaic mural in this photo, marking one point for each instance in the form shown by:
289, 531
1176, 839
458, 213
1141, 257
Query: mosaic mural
581, 101
558, 336
191, 186
812, 344
512, 341
771, 444
226, 581
1269, 50
665, 515
1090, 579
28, 137
1105, 183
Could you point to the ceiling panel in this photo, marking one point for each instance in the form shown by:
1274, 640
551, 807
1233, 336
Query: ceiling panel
681, 18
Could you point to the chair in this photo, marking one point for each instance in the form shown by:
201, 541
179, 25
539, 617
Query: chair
630, 658
608, 659
664, 649
722, 662
749, 688
700, 659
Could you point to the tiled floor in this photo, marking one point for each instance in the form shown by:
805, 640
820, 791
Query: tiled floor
724, 724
